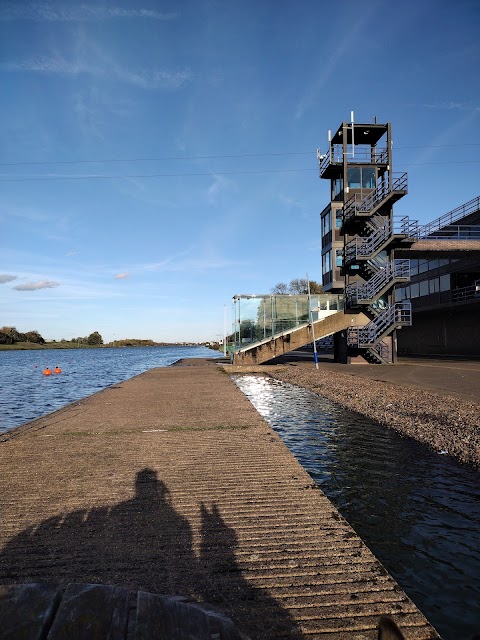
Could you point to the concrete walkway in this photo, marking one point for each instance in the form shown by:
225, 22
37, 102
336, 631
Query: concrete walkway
171, 482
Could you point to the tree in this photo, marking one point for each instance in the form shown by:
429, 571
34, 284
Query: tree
95, 338
297, 286
34, 336
14, 334
280, 287
5, 338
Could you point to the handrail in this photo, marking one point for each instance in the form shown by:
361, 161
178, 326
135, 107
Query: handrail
367, 246
364, 204
450, 232
381, 351
398, 314
452, 216
366, 292
361, 155
462, 294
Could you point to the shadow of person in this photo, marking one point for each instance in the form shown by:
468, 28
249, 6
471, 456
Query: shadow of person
145, 544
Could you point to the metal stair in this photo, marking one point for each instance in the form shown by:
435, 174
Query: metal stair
379, 354
387, 275
360, 205
392, 317
379, 232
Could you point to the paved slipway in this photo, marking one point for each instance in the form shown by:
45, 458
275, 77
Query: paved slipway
172, 483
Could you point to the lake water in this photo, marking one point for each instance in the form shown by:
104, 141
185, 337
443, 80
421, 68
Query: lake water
26, 394
419, 512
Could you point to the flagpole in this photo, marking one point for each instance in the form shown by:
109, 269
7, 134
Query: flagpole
315, 355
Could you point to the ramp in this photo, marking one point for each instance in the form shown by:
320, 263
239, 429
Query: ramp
270, 348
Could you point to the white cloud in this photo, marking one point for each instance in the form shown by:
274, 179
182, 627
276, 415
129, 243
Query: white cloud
327, 64
49, 12
49, 64
153, 79
452, 106
34, 286
220, 184
143, 78
6, 277
121, 276
458, 124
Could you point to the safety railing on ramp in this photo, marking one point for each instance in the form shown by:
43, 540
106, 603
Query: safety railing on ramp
278, 345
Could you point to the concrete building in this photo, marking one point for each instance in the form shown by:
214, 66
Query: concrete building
444, 288
391, 285
422, 279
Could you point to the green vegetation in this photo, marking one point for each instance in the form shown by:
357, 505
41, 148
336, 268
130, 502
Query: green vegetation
10, 338
297, 286
10, 335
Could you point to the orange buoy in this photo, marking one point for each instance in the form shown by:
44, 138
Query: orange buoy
57, 370
47, 372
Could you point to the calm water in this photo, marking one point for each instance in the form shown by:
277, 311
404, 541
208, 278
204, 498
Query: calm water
419, 512
26, 394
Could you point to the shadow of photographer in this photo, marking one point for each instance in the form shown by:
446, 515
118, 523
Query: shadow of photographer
145, 544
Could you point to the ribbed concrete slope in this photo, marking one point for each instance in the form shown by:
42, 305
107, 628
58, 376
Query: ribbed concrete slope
172, 483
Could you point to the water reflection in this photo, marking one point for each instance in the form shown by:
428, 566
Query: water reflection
419, 512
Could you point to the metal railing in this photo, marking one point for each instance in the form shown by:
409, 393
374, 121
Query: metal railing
450, 232
380, 351
363, 205
452, 216
359, 155
260, 318
396, 315
367, 247
366, 292
465, 294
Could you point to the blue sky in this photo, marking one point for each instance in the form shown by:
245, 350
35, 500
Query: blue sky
160, 157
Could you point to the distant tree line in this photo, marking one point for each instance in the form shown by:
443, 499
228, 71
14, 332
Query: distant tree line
93, 339
10, 335
134, 342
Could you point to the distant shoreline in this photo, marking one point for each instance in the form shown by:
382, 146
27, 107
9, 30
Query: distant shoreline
33, 346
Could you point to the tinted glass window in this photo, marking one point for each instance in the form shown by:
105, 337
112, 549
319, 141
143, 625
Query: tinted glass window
368, 178
354, 180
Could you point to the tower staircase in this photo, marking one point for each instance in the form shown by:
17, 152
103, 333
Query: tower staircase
360, 205
370, 336
363, 192
383, 278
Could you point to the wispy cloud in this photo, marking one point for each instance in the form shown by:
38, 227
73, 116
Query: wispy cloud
209, 263
52, 12
452, 106
329, 63
6, 277
121, 276
49, 64
153, 79
142, 78
459, 121
219, 185
34, 286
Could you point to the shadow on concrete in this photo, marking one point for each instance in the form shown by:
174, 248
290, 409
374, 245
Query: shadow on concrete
145, 544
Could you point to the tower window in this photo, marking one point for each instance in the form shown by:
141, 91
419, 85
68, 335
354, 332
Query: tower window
361, 178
